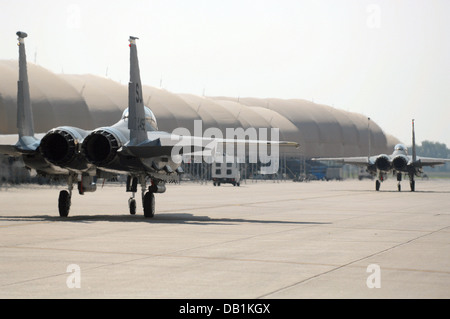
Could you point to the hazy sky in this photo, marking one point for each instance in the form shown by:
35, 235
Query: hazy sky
387, 59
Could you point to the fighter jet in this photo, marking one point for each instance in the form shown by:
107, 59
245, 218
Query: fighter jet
399, 163
56, 153
133, 146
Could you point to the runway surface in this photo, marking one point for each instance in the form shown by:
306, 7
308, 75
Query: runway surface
261, 240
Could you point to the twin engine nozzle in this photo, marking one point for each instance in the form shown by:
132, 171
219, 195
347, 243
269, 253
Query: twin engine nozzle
399, 163
100, 147
76, 148
383, 163
59, 146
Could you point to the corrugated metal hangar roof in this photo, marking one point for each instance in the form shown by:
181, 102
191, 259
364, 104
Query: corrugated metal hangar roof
89, 101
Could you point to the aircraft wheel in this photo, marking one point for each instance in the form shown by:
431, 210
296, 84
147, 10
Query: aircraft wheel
132, 206
377, 185
413, 186
149, 205
64, 203
399, 187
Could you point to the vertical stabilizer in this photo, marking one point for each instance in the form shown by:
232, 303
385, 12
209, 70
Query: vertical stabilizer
414, 156
368, 132
136, 112
24, 113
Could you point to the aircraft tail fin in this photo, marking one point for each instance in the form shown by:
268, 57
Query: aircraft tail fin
414, 155
136, 119
369, 141
25, 124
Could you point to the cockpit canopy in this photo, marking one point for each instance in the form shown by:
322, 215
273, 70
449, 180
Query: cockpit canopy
150, 119
401, 148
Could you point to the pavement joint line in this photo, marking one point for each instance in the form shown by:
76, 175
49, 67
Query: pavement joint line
352, 217
348, 264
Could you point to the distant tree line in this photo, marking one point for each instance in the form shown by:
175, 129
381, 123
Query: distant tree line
434, 149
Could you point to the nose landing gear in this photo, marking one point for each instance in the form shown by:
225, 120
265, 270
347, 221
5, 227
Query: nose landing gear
148, 196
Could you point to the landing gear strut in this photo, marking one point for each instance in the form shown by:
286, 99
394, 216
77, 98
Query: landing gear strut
399, 179
412, 183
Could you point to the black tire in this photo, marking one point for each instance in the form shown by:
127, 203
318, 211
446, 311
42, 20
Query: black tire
132, 206
377, 185
149, 205
64, 203
413, 186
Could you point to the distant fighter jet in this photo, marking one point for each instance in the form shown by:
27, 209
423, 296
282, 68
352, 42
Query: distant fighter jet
399, 162
133, 146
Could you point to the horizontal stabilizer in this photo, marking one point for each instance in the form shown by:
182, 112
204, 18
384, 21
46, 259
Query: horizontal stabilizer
10, 150
13, 150
25, 145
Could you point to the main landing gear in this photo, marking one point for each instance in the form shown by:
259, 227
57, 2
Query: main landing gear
399, 180
65, 196
87, 184
64, 201
381, 178
412, 182
148, 197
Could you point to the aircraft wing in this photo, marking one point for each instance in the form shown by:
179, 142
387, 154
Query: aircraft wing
429, 161
361, 160
171, 144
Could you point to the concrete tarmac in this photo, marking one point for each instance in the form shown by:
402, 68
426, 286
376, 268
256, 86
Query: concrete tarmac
260, 240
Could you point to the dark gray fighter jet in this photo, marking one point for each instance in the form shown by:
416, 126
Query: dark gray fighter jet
399, 163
